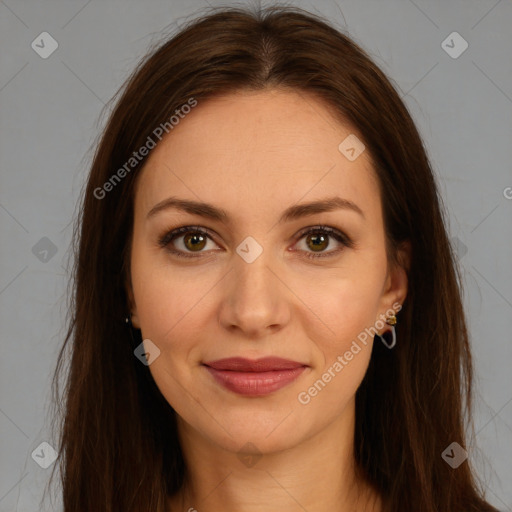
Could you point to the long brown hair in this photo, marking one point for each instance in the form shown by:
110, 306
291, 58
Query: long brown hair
119, 449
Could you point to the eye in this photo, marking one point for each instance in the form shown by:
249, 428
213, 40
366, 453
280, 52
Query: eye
187, 240
190, 239
317, 239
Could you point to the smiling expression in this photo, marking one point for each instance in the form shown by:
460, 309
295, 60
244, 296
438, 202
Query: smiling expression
256, 237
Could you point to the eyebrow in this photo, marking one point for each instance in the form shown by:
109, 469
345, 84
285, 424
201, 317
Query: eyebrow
294, 212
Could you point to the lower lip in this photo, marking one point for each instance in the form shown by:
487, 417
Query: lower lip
255, 383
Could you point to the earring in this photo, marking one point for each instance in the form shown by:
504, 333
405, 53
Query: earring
128, 321
391, 321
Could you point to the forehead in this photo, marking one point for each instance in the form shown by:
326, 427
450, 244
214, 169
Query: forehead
258, 150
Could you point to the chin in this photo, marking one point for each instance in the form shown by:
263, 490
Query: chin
269, 430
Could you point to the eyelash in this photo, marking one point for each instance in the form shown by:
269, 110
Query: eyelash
170, 236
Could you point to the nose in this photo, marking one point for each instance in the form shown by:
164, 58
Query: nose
254, 300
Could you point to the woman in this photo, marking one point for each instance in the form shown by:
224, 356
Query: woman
266, 307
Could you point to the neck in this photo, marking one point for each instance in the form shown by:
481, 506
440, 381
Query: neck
317, 475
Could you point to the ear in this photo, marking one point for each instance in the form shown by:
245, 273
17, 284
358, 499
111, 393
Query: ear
131, 302
395, 288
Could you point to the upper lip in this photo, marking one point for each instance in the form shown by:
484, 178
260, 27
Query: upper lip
265, 364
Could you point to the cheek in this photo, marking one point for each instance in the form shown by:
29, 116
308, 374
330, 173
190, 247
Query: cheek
171, 312
336, 303
348, 307
165, 297
344, 301
344, 353
176, 313
170, 305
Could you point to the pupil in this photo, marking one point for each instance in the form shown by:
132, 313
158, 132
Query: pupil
196, 239
319, 241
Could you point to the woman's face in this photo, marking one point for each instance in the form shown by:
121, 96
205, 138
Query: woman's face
253, 283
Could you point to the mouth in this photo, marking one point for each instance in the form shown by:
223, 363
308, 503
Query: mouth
254, 377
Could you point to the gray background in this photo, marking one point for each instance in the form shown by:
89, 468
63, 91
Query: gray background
50, 116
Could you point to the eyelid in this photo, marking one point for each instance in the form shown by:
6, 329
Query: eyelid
338, 235
171, 234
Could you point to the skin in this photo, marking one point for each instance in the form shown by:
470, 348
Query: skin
254, 154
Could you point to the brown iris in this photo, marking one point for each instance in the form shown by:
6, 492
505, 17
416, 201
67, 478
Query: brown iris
319, 241
197, 241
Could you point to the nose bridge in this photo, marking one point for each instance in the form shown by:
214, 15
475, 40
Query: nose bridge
253, 299
253, 276
253, 281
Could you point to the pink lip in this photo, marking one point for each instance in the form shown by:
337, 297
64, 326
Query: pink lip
254, 377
